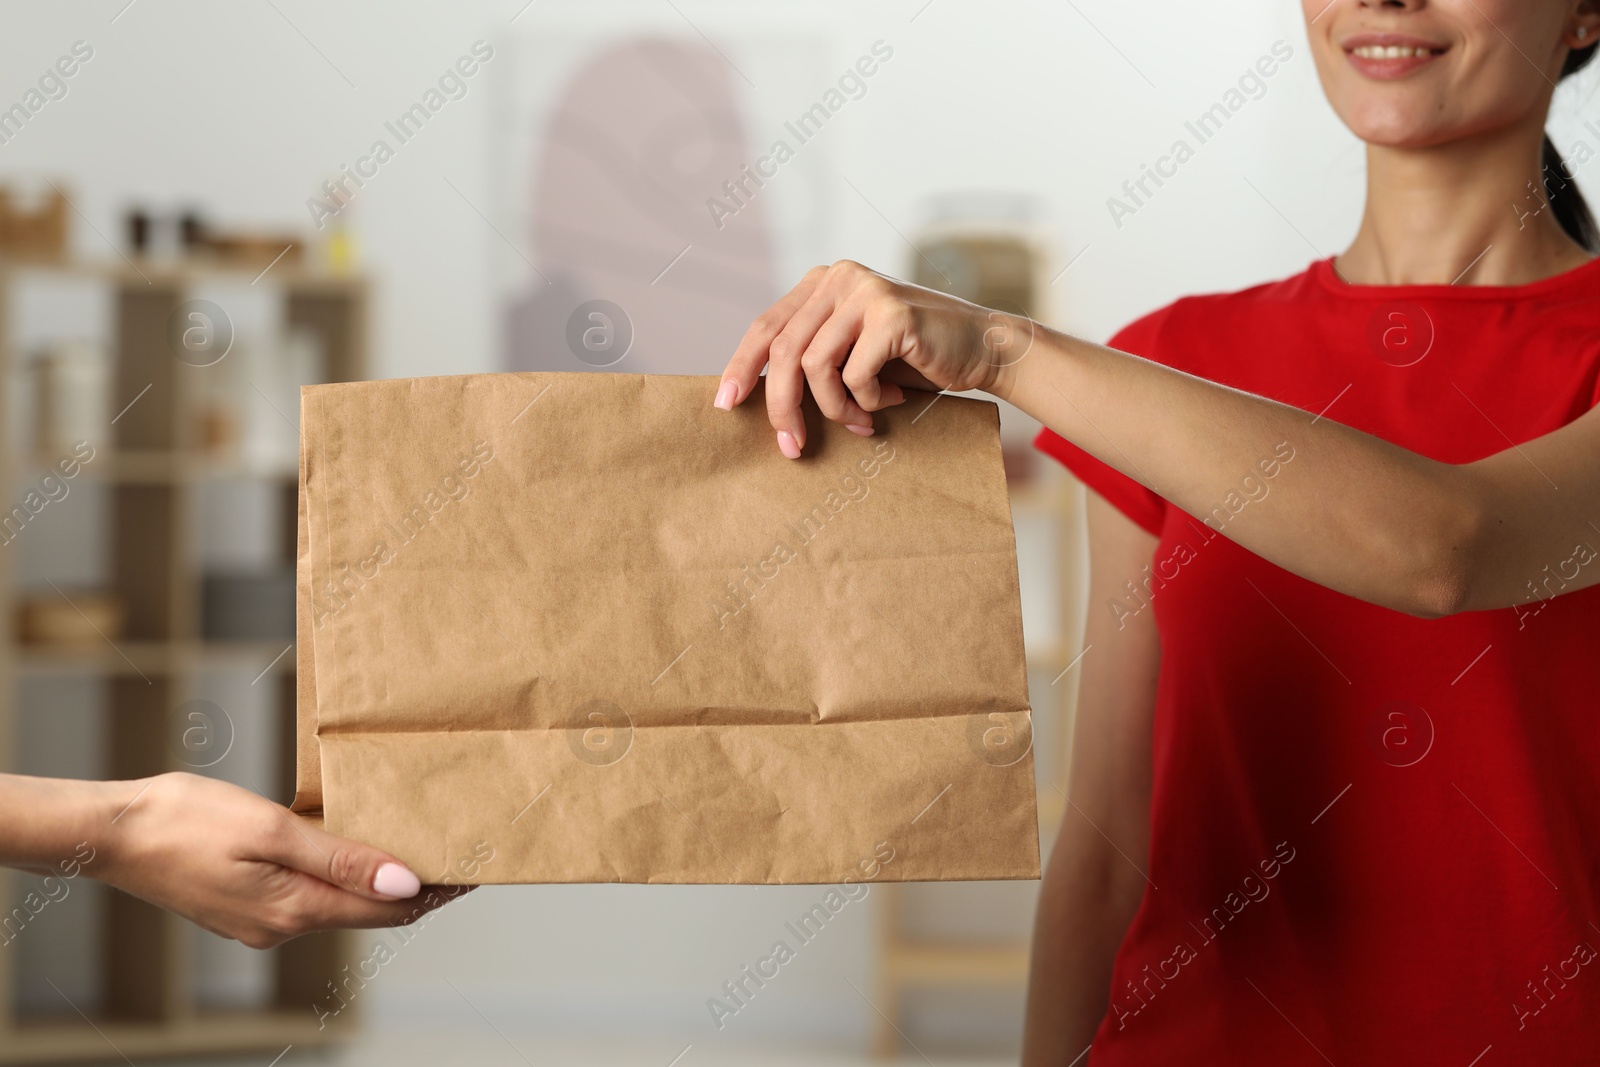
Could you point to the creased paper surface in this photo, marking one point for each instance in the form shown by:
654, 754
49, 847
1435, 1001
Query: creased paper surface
595, 629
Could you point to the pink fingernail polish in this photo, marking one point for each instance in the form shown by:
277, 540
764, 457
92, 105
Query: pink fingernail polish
393, 880
787, 445
727, 395
859, 431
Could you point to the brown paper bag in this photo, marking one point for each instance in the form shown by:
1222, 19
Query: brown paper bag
587, 628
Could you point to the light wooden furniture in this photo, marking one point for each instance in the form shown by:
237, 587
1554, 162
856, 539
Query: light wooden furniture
907, 964
150, 463
997, 265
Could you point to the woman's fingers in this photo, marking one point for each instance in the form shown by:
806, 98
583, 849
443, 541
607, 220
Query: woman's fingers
903, 375
786, 376
848, 333
862, 371
754, 348
290, 903
348, 865
828, 351
320, 906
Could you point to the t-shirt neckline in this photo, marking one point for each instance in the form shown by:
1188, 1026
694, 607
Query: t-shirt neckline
1581, 276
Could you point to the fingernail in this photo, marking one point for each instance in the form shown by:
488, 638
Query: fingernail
393, 880
787, 445
727, 395
859, 431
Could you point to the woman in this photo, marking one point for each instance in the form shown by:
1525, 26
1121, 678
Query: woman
1333, 794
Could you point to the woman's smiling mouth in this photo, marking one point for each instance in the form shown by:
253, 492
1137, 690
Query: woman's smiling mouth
1389, 55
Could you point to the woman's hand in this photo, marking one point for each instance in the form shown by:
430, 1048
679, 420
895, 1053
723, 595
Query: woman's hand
857, 337
242, 866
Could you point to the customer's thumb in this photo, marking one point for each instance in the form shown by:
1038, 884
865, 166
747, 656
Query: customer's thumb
348, 864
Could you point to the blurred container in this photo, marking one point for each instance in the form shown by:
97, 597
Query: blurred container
992, 248
186, 232
37, 231
248, 606
339, 251
50, 620
136, 222
71, 383
193, 234
984, 247
154, 234
157, 235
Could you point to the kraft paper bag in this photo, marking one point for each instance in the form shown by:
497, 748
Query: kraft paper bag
588, 628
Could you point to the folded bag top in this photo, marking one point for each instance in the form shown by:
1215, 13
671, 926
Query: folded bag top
588, 628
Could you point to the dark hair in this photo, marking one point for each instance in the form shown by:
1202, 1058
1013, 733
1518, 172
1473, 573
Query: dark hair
1570, 209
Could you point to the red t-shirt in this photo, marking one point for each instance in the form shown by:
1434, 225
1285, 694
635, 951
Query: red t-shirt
1374, 839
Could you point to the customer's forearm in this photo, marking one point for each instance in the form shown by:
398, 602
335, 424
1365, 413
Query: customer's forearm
43, 820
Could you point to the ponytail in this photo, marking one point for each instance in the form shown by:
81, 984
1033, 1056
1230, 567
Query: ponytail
1566, 202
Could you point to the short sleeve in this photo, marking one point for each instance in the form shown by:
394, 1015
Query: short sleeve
1144, 507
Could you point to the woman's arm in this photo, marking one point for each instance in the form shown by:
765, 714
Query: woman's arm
228, 859
42, 820
1094, 879
1350, 512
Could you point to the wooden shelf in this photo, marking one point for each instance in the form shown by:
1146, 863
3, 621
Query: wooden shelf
147, 459
932, 965
155, 658
184, 273
162, 467
71, 1039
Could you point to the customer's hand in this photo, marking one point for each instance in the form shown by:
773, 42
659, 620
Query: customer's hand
857, 337
246, 868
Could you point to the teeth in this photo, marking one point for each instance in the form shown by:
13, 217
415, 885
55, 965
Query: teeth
1393, 51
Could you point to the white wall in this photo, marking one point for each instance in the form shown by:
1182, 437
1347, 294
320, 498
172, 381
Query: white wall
229, 106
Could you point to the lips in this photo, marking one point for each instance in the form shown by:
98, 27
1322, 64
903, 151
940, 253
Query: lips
1385, 56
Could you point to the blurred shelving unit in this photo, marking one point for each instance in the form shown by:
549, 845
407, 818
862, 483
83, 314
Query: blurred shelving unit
987, 250
151, 466
907, 963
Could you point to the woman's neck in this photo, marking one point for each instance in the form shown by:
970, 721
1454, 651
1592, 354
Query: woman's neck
1471, 212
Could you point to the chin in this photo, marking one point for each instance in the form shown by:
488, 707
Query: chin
1395, 127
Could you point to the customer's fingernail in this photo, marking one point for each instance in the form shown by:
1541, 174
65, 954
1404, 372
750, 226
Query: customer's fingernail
393, 880
727, 395
859, 431
787, 445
